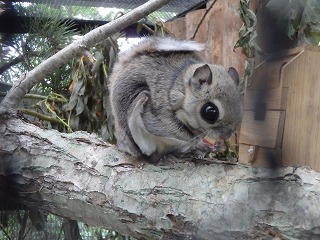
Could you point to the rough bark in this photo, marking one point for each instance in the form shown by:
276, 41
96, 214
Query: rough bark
79, 176
26, 82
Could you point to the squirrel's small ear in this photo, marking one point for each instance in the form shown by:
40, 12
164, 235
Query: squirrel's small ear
203, 74
234, 75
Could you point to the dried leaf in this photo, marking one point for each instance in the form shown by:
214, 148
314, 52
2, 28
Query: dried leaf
71, 86
139, 27
38, 219
82, 90
80, 106
74, 96
74, 122
247, 33
105, 134
112, 57
96, 65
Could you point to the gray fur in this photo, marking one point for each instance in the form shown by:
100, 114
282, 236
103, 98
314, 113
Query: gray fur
157, 90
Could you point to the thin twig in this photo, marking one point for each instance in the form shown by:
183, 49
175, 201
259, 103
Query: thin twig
57, 117
39, 115
202, 19
5, 232
10, 64
53, 97
145, 26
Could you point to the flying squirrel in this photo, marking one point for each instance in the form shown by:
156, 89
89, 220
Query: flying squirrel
165, 98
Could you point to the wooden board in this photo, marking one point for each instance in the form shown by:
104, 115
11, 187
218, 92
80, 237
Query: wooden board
194, 25
259, 156
262, 133
302, 127
266, 75
275, 99
177, 27
265, 83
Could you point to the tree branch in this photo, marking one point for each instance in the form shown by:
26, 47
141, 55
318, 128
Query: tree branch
79, 176
41, 116
9, 64
56, 97
26, 82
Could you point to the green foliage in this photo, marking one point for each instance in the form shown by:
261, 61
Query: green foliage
49, 111
160, 16
89, 102
38, 225
310, 22
88, 105
225, 151
247, 35
85, 79
66, 12
222, 150
46, 36
77, 96
298, 18
287, 14
29, 224
7, 56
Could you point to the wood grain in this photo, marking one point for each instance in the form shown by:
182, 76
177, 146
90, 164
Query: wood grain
177, 27
257, 156
275, 99
260, 133
302, 126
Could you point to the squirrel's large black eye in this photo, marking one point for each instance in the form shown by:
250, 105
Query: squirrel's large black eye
210, 113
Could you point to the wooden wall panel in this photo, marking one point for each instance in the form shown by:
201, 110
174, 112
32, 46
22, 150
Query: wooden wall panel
259, 156
302, 127
261, 133
177, 27
274, 99
194, 27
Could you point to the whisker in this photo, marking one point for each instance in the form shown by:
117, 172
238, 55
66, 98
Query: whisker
193, 142
197, 137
